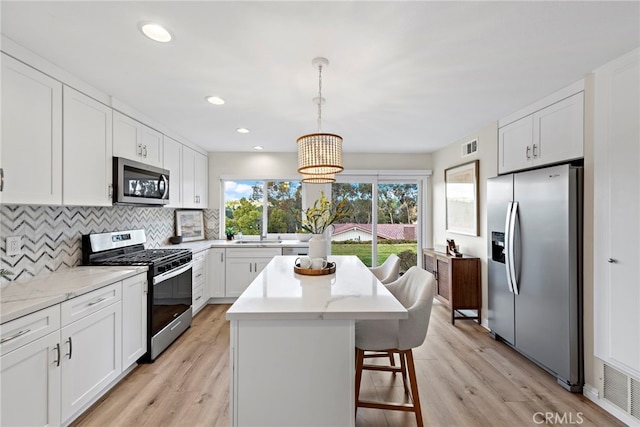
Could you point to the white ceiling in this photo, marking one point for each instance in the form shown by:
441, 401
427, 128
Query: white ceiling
404, 77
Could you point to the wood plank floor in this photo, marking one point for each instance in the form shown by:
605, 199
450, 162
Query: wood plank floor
465, 379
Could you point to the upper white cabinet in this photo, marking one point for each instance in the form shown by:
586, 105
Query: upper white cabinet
194, 179
173, 163
87, 172
31, 153
552, 132
616, 212
136, 141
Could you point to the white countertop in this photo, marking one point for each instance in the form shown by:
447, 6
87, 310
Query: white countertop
201, 245
352, 292
20, 299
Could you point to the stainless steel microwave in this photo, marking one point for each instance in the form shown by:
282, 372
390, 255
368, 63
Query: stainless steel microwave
139, 184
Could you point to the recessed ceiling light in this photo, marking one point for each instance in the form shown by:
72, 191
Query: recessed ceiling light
155, 32
258, 147
242, 130
215, 100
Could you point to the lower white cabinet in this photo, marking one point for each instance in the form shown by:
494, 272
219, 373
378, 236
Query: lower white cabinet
134, 319
199, 279
57, 361
31, 383
216, 268
243, 265
91, 352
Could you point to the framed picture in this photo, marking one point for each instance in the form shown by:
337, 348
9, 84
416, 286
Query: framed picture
190, 225
461, 193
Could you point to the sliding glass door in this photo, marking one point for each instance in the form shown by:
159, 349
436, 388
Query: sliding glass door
384, 220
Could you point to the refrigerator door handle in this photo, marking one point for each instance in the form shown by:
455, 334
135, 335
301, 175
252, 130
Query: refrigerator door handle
511, 252
507, 263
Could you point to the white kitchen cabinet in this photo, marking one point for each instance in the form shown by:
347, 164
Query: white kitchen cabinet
31, 150
548, 135
199, 279
134, 319
31, 384
216, 268
616, 212
194, 179
243, 265
136, 141
87, 152
173, 163
30, 369
91, 346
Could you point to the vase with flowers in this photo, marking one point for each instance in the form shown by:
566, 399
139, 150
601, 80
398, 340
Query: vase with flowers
317, 220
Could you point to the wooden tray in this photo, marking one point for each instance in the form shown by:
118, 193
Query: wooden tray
329, 269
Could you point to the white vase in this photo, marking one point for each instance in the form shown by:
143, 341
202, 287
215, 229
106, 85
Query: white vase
318, 246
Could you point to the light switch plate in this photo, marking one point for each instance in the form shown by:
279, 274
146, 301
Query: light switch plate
14, 245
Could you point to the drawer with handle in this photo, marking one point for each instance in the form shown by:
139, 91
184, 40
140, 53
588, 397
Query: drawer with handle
26, 329
83, 305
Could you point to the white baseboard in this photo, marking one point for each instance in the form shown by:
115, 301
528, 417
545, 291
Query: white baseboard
592, 393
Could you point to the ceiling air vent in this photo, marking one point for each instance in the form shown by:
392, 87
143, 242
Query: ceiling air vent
469, 148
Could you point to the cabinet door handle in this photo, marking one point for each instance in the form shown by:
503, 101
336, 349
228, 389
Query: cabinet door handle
110, 191
139, 151
14, 336
221, 257
144, 151
57, 361
1, 179
535, 153
612, 261
99, 300
528, 153
70, 349
198, 297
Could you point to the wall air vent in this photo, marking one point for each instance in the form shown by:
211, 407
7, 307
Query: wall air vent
616, 385
469, 148
635, 398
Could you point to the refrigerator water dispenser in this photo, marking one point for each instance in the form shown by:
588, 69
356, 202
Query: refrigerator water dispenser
497, 246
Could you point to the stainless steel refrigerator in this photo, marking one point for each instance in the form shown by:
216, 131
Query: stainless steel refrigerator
535, 267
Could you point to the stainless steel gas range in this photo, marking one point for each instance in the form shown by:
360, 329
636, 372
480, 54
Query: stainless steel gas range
169, 277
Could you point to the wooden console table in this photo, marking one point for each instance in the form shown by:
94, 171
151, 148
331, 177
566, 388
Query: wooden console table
458, 282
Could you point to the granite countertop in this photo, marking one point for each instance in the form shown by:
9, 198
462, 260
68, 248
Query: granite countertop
351, 293
201, 245
20, 299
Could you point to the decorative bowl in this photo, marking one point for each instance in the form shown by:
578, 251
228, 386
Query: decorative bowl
304, 237
175, 239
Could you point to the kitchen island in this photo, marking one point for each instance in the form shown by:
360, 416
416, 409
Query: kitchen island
293, 340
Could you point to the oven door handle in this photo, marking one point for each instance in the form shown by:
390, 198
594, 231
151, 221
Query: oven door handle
172, 273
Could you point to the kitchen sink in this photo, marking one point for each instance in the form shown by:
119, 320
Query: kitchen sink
258, 242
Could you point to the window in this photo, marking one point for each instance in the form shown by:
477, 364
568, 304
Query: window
249, 205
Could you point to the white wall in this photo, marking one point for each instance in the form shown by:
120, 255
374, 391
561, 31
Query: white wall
452, 156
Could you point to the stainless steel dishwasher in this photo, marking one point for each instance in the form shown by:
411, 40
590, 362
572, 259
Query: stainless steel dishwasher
295, 251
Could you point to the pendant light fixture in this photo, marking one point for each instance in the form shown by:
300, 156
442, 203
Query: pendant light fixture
319, 154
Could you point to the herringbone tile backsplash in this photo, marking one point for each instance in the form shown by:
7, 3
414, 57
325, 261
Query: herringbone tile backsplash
52, 235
